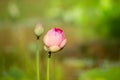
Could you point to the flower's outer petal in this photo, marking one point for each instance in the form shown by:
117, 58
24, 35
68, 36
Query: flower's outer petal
46, 48
54, 48
63, 43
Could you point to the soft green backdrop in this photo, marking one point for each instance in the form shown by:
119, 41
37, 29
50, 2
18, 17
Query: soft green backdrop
92, 29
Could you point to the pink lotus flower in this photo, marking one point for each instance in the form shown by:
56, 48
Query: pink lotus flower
54, 40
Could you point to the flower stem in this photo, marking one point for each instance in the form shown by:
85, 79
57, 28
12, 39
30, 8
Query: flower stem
37, 60
48, 65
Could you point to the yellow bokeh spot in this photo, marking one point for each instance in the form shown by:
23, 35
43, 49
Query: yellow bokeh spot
105, 4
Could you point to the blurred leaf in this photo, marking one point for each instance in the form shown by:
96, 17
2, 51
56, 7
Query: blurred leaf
101, 74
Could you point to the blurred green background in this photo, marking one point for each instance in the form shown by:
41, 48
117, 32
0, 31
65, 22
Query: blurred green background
92, 29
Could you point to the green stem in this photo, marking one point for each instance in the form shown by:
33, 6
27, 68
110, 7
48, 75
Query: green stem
48, 65
37, 60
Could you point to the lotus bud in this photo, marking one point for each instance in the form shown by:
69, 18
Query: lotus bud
38, 30
54, 40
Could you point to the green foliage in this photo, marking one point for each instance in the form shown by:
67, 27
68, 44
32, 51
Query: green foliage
59, 73
101, 74
14, 74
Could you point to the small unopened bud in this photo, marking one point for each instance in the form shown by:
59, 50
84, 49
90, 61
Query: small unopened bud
38, 30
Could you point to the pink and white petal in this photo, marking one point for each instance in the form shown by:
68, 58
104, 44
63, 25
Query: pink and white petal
46, 48
54, 48
63, 43
51, 40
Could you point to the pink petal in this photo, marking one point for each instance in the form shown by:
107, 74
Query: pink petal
63, 43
